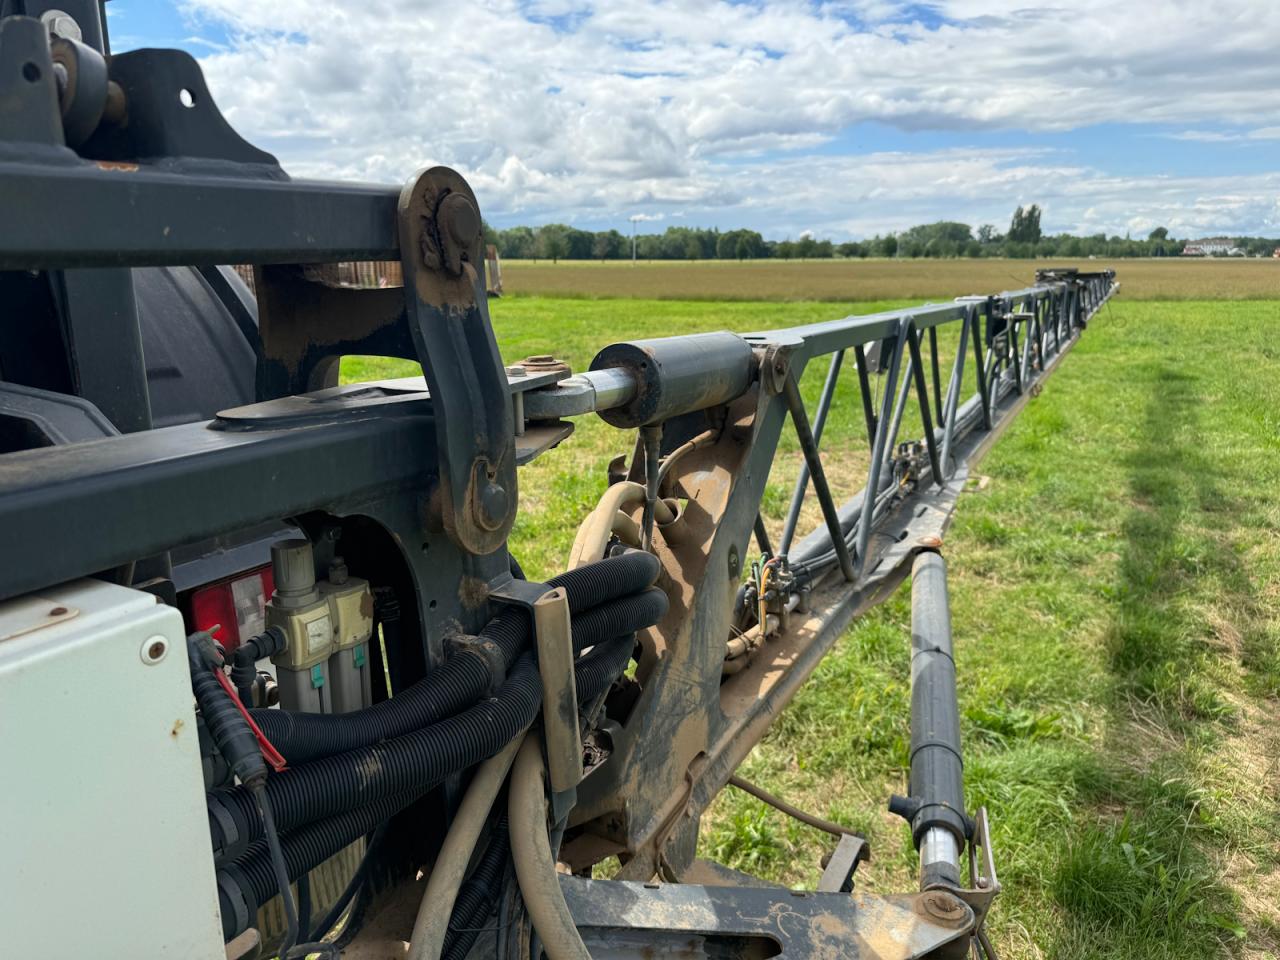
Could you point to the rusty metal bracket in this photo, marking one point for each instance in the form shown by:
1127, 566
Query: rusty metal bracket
548, 608
442, 256
837, 872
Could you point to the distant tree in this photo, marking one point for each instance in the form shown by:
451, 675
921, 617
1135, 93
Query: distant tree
1025, 227
887, 246
552, 242
606, 245
987, 234
518, 243
785, 250
1159, 233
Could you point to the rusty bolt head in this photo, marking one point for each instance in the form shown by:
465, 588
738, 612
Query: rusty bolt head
929, 543
943, 907
735, 562
458, 219
57, 611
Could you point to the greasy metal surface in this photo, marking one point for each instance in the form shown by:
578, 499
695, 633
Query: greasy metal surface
639, 919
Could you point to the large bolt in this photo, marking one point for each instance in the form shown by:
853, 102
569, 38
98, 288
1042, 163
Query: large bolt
59, 23
492, 505
458, 219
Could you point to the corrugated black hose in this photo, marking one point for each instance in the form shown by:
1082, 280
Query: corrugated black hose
244, 884
325, 787
463, 679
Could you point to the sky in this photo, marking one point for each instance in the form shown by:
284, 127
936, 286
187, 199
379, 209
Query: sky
842, 119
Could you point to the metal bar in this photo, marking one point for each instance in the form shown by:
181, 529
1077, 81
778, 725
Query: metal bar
899, 410
82, 215
795, 403
954, 389
762, 536
864, 388
877, 458
135, 492
979, 372
937, 377
554, 637
922, 393
802, 481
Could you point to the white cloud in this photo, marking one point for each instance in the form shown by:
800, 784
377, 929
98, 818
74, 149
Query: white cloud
588, 111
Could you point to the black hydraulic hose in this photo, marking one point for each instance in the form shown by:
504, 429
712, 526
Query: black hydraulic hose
248, 883
621, 616
465, 677
603, 665
478, 895
420, 759
222, 717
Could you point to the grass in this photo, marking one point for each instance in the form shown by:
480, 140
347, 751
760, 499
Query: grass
1115, 584
837, 280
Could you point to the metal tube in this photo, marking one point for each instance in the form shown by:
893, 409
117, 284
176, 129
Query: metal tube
802, 481
796, 404
651, 437
676, 375
937, 786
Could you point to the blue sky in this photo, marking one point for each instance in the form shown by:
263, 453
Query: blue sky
842, 119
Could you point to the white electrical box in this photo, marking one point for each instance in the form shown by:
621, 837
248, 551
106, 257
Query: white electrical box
104, 838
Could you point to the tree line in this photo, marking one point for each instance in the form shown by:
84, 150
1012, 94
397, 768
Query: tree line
944, 239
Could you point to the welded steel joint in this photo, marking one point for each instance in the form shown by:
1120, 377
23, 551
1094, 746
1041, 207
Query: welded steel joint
441, 250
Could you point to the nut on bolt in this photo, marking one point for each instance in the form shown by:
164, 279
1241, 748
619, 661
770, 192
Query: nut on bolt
543, 363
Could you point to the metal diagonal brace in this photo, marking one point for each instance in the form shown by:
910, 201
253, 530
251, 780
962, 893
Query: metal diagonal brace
441, 252
795, 403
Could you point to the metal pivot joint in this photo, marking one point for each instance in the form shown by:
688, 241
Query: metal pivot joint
441, 254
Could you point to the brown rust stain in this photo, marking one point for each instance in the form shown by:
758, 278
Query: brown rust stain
177, 727
472, 592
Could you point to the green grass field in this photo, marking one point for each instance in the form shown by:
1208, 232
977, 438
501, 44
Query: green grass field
1115, 583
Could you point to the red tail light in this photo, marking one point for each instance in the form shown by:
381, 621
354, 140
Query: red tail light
238, 604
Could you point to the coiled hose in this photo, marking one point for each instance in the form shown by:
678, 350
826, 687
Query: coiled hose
462, 679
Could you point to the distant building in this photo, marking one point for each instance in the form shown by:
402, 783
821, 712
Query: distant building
1212, 247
